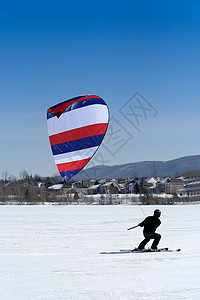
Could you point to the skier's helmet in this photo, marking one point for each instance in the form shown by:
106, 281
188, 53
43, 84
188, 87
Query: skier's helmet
157, 213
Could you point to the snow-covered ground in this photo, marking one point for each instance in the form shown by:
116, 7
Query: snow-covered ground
52, 252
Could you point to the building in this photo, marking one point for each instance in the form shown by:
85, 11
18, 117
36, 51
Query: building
110, 187
191, 189
167, 185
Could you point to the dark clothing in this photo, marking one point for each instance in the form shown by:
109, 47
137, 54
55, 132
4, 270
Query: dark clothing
150, 225
155, 236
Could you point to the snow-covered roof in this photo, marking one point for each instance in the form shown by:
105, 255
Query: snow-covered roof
56, 186
111, 183
93, 187
152, 187
164, 180
152, 180
194, 183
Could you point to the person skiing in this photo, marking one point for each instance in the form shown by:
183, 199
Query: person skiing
150, 225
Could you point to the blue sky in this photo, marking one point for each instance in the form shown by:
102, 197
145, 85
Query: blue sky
55, 50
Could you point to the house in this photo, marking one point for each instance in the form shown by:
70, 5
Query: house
153, 181
175, 185
110, 187
80, 187
131, 185
163, 186
168, 185
190, 190
94, 189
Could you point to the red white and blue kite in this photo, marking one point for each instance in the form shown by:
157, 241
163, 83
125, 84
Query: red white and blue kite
76, 129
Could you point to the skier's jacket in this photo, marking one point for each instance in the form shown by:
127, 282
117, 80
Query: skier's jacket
150, 224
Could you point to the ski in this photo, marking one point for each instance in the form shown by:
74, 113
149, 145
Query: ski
149, 250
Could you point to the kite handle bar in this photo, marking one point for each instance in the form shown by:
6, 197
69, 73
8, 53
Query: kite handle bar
132, 227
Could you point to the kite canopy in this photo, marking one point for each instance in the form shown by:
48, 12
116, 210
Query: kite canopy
76, 129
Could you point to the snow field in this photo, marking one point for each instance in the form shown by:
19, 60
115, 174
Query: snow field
50, 252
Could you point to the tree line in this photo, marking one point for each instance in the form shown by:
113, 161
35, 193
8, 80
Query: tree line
25, 189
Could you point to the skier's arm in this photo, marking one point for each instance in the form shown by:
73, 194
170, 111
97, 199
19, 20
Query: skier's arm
142, 223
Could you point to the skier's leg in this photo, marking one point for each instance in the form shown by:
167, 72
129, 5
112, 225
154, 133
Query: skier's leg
143, 243
156, 238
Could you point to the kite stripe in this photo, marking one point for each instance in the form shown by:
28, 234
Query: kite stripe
77, 144
85, 116
68, 174
74, 156
72, 165
78, 133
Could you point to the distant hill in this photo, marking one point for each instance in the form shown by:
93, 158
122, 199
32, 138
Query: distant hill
142, 169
